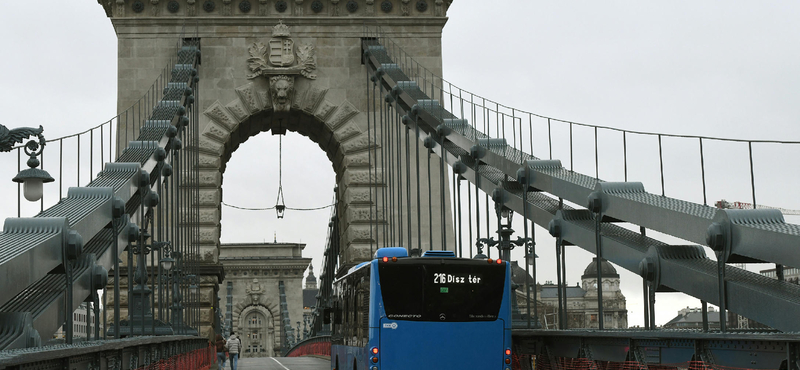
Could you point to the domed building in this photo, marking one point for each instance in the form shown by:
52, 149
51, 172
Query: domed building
582, 309
614, 311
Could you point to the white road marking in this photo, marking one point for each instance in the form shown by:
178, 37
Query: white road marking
274, 359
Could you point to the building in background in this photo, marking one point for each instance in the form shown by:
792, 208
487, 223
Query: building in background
79, 327
790, 274
253, 275
692, 318
582, 309
309, 299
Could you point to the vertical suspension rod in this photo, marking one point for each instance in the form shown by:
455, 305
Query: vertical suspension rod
369, 165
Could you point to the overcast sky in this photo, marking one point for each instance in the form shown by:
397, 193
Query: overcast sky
712, 68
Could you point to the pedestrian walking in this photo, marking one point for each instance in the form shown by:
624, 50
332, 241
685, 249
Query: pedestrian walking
220, 344
234, 345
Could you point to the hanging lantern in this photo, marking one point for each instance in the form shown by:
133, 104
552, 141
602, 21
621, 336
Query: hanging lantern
31, 178
280, 206
280, 209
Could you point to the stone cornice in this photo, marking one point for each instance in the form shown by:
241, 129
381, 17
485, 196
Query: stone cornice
300, 264
277, 8
262, 267
316, 26
272, 259
265, 245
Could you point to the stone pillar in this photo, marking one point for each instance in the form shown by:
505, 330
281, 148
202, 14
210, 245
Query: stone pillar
329, 104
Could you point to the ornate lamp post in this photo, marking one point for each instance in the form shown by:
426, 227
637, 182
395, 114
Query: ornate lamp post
194, 290
505, 245
178, 325
530, 260
504, 232
177, 307
32, 178
142, 320
166, 265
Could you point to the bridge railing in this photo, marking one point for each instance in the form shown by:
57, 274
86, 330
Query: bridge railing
490, 155
75, 160
701, 169
330, 262
665, 349
698, 168
140, 353
49, 271
317, 346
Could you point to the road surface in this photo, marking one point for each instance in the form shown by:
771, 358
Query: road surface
281, 363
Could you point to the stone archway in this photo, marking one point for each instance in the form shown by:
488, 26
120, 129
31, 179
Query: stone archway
328, 105
336, 126
282, 88
255, 326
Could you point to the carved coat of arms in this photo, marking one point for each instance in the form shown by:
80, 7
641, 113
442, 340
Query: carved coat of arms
281, 52
254, 290
281, 61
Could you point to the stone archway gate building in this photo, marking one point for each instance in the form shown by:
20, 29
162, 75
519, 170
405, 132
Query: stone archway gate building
281, 65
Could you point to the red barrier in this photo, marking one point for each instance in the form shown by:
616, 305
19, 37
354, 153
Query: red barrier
320, 346
199, 359
520, 362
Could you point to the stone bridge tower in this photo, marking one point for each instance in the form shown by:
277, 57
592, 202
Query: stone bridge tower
276, 65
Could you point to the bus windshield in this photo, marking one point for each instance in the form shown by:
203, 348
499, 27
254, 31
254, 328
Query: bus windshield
442, 290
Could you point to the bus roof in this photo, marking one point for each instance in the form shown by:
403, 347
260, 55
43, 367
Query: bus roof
356, 267
391, 252
440, 254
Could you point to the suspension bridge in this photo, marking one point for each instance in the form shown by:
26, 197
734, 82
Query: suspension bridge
420, 164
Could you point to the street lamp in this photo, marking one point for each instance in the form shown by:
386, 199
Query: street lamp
192, 280
530, 260
32, 178
166, 263
506, 213
530, 257
504, 232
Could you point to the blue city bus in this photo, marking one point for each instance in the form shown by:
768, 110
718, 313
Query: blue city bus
431, 312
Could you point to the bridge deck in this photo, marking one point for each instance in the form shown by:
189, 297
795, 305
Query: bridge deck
281, 363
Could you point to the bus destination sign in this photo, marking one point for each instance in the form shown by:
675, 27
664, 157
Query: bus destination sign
445, 278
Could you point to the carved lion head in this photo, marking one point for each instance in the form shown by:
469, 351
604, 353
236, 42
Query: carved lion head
281, 90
